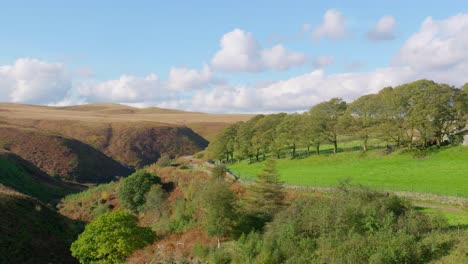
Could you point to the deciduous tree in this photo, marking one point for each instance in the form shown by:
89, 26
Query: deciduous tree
326, 115
134, 188
219, 208
111, 238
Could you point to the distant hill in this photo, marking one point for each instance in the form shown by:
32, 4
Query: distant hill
207, 125
132, 136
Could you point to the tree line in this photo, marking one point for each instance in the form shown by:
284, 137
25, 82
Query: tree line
420, 113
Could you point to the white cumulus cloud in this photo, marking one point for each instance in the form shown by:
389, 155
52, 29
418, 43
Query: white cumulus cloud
436, 51
183, 78
33, 81
332, 27
280, 59
240, 52
127, 88
297, 93
384, 30
438, 45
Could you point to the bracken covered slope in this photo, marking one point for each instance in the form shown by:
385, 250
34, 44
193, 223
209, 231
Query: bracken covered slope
135, 144
33, 233
59, 156
22, 176
49, 137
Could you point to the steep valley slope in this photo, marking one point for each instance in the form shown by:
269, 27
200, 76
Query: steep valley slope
31, 232
66, 158
49, 152
134, 137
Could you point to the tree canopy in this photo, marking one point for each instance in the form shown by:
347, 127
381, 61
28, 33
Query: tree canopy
111, 238
419, 113
134, 188
219, 208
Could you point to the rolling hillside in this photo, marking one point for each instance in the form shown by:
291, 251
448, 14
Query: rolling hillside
33, 233
132, 136
45, 152
206, 125
22, 176
59, 156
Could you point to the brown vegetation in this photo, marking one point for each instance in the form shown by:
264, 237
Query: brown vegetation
59, 156
206, 124
134, 137
22, 176
33, 233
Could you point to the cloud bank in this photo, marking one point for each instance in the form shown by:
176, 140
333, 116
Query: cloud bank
436, 51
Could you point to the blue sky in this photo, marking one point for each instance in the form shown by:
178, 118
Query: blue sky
93, 44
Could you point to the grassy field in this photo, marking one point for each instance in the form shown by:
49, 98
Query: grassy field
454, 218
443, 171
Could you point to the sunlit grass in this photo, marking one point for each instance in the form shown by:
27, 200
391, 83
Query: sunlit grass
442, 171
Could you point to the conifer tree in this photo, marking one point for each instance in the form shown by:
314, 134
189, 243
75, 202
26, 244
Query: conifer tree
266, 194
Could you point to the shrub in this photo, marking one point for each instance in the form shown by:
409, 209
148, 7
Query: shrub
199, 155
155, 199
219, 171
105, 195
134, 188
353, 225
111, 238
184, 167
164, 161
101, 209
182, 218
218, 202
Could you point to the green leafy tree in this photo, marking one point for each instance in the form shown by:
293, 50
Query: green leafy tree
433, 110
326, 116
243, 146
465, 88
312, 133
290, 132
362, 117
219, 208
224, 145
391, 115
352, 225
265, 135
111, 238
134, 188
266, 195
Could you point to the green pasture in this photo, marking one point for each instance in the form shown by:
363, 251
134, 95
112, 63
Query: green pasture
454, 218
440, 171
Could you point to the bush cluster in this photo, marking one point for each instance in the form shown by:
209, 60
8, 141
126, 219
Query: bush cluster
354, 225
132, 193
